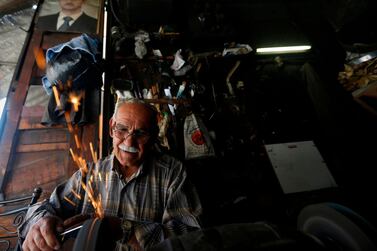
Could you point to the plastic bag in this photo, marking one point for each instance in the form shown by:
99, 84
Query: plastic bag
196, 139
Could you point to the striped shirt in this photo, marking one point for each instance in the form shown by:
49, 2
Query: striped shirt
158, 199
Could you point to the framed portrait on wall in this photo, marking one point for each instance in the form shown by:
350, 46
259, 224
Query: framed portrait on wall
69, 16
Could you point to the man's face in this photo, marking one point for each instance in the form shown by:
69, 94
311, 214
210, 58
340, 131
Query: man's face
130, 132
71, 5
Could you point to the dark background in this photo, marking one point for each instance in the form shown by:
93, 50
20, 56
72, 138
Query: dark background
299, 100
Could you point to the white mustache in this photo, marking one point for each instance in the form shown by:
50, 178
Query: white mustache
129, 149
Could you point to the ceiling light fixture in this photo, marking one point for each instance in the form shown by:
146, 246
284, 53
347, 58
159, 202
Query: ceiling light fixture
285, 49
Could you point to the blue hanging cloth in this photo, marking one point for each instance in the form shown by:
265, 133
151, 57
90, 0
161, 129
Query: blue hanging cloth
74, 67
78, 59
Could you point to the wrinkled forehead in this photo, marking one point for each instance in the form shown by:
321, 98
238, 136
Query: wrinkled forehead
135, 112
76, 1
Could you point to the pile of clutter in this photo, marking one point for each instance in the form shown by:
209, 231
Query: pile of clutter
359, 72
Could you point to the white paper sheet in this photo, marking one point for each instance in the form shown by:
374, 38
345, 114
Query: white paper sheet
299, 167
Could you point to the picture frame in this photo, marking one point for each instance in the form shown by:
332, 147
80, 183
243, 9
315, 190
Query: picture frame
86, 16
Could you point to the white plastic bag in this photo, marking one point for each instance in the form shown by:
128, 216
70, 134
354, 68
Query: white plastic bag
196, 138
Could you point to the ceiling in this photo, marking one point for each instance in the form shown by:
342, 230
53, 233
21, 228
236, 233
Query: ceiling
259, 22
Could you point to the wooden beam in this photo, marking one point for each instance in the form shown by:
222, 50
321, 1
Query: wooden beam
14, 108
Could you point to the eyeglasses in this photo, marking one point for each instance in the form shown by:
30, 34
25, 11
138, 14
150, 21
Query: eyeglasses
123, 132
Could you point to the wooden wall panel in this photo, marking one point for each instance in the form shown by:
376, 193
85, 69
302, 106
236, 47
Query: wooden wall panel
29, 137
34, 155
31, 118
42, 147
32, 169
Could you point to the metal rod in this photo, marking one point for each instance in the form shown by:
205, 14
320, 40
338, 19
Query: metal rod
13, 211
71, 230
4, 202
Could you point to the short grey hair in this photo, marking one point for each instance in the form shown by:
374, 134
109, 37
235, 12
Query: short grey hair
154, 113
121, 101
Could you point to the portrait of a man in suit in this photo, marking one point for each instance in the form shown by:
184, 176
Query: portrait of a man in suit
71, 17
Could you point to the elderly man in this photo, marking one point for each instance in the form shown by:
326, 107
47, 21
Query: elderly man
148, 190
70, 18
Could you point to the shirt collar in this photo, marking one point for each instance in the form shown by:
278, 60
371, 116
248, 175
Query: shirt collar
115, 166
74, 17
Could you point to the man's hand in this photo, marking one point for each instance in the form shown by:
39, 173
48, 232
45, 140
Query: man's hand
42, 235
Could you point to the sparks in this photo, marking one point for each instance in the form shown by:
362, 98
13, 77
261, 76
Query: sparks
77, 141
75, 100
82, 164
76, 194
95, 203
78, 158
68, 121
73, 155
56, 95
94, 154
69, 201
39, 58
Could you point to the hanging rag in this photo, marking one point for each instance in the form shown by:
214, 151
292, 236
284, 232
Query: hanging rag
73, 67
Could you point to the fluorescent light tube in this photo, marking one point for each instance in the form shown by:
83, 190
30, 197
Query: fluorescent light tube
285, 49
